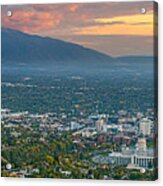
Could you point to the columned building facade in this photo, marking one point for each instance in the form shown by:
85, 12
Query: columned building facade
140, 156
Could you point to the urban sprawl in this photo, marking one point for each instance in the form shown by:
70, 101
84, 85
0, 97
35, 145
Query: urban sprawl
120, 145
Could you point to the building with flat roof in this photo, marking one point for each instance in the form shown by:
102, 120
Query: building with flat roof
101, 125
145, 126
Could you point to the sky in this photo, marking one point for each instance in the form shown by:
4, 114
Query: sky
114, 28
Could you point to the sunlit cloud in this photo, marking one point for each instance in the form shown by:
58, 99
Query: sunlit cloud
141, 24
73, 7
30, 21
128, 19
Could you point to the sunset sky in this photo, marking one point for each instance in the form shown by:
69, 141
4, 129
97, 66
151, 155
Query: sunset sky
116, 29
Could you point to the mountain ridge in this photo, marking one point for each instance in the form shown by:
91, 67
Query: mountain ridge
35, 49
25, 47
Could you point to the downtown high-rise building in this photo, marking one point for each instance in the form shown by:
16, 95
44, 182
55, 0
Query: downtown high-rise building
145, 127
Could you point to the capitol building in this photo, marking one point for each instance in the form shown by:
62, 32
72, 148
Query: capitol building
136, 157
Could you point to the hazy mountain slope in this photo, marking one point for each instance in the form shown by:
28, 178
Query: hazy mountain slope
21, 47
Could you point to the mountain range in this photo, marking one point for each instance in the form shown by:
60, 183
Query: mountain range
19, 47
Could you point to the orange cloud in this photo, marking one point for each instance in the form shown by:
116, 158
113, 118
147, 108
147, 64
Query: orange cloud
144, 30
29, 21
91, 19
73, 7
139, 24
128, 19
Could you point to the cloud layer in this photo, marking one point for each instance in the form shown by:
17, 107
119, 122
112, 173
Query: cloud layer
75, 22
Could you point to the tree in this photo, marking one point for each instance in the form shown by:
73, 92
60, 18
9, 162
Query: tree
49, 159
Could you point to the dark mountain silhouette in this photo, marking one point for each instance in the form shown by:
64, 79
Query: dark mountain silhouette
21, 47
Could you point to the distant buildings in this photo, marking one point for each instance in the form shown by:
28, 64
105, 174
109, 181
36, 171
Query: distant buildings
142, 146
101, 124
145, 126
75, 125
116, 131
